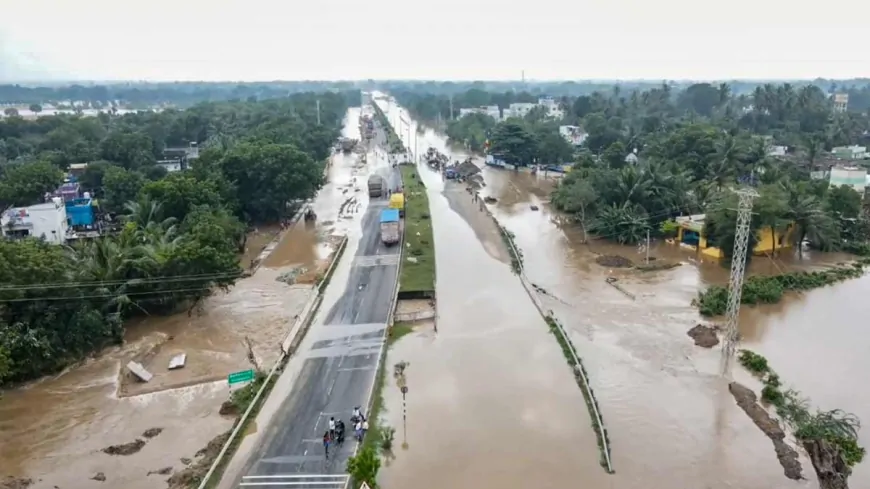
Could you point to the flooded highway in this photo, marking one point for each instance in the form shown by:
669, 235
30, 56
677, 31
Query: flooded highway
53, 430
668, 415
491, 399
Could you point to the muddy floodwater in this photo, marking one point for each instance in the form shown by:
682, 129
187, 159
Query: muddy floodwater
53, 430
490, 397
669, 417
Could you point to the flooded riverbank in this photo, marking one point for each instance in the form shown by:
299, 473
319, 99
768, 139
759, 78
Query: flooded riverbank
669, 416
53, 430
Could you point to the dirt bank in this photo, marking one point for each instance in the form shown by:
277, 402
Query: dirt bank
704, 336
186, 478
475, 213
832, 471
787, 455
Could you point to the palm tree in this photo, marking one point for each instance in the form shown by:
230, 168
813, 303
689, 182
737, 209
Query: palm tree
811, 221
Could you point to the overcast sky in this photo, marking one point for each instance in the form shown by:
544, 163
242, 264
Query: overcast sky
441, 39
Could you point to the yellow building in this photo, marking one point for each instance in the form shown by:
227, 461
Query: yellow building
690, 234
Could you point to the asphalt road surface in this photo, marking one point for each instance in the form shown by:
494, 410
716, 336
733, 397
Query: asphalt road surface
337, 373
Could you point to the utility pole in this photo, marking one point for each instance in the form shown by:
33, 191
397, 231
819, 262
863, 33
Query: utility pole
647, 246
735, 283
318, 112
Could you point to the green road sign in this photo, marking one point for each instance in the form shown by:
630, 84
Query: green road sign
239, 377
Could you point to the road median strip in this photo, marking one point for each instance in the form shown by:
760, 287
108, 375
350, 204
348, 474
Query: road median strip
417, 275
263, 384
567, 347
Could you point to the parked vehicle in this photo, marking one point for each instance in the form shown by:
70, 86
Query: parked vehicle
390, 226
397, 201
377, 186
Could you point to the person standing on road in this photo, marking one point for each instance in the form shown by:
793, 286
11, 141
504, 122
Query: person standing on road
358, 431
365, 428
326, 444
332, 428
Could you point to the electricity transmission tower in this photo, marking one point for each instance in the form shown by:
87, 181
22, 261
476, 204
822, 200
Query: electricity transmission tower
735, 283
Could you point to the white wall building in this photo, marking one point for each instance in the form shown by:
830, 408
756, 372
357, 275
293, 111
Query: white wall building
170, 165
490, 110
849, 175
776, 150
46, 221
573, 134
552, 106
519, 109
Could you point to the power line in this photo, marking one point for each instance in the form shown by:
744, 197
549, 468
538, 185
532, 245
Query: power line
132, 281
103, 296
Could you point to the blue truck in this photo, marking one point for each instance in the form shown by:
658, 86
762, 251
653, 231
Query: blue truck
390, 226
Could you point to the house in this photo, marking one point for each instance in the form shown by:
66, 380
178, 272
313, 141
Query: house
552, 105
849, 175
171, 165
518, 109
853, 152
490, 110
690, 234
777, 150
177, 159
46, 221
573, 134
841, 102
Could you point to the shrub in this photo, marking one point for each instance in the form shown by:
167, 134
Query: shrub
754, 362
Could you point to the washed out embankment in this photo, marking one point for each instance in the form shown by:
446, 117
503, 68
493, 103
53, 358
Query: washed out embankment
829, 437
248, 400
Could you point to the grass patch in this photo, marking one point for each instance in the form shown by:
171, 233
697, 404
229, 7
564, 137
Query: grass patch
769, 290
418, 273
588, 394
399, 330
837, 427
516, 254
394, 142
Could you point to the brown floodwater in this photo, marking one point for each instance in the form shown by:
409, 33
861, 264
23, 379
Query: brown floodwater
53, 430
491, 398
669, 417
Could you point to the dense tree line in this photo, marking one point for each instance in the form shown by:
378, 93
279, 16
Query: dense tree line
180, 233
691, 148
431, 101
144, 94
652, 155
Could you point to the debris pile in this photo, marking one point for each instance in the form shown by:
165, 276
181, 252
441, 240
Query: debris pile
704, 336
613, 261
289, 277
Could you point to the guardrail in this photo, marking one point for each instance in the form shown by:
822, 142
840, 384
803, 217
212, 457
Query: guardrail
304, 319
579, 369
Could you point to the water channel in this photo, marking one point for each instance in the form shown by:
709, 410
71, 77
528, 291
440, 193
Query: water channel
660, 395
53, 430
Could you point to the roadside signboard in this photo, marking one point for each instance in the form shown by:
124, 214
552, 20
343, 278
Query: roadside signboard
364, 486
239, 377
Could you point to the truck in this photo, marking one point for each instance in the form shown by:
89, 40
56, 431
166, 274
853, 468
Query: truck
376, 186
390, 226
397, 201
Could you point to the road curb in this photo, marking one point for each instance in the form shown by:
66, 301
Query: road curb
288, 348
567, 346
